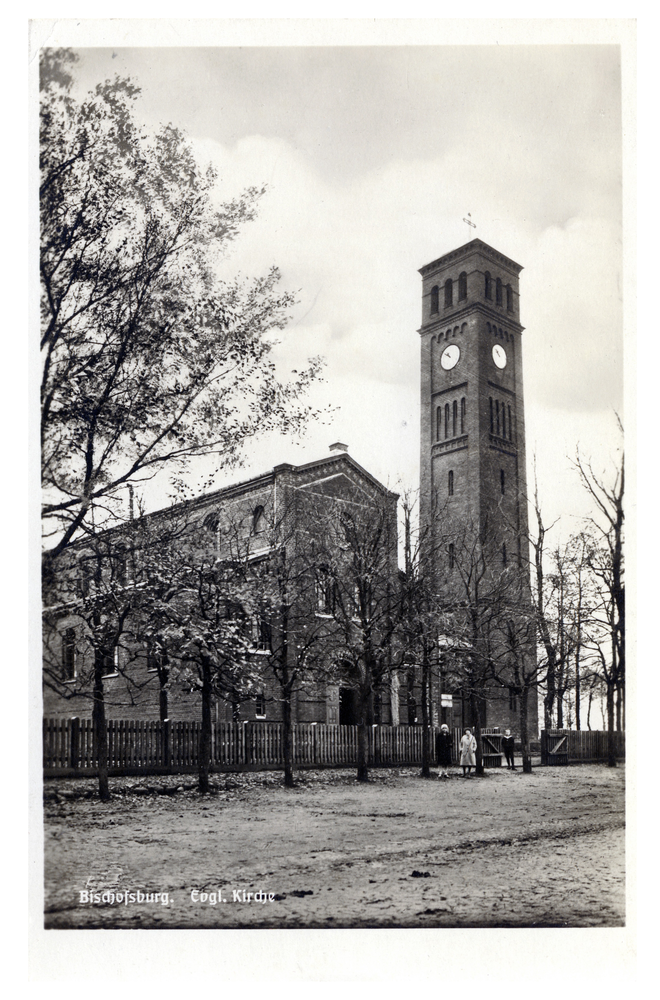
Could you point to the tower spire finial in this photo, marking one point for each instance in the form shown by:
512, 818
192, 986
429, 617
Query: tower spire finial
469, 222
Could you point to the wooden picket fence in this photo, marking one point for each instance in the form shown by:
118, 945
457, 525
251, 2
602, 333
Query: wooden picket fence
572, 746
172, 747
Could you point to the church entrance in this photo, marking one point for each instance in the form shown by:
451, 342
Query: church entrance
348, 707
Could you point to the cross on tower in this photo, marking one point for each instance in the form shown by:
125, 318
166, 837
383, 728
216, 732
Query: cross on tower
469, 222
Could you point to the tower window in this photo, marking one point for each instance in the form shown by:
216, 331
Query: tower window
503, 422
503, 554
490, 400
510, 433
502, 481
509, 299
450, 551
489, 285
450, 483
438, 423
446, 420
454, 418
462, 286
69, 654
435, 303
463, 411
497, 416
498, 292
449, 294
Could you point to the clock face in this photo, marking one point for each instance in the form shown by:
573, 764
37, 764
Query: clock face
450, 356
499, 356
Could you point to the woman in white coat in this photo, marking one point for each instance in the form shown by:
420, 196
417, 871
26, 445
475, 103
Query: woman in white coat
468, 751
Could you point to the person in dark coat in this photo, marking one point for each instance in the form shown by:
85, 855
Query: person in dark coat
508, 745
443, 744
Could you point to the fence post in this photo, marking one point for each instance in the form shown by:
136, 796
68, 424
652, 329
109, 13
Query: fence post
75, 742
544, 747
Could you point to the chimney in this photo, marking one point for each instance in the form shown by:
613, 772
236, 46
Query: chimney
338, 446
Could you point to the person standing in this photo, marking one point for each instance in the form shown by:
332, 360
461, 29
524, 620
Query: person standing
508, 744
468, 751
443, 742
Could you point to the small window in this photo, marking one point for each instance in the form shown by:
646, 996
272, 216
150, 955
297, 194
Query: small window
503, 421
118, 565
450, 483
69, 654
435, 299
260, 705
325, 592
510, 429
258, 521
462, 286
509, 298
449, 293
454, 410
450, 551
502, 481
488, 285
446, 420
463, 412
498, 292
111, 662
264, 635
438, 423
492, 426
497, 416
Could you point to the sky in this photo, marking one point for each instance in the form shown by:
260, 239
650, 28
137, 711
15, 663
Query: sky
373, 156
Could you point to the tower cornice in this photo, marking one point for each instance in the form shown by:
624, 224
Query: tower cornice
456, 315
474, 246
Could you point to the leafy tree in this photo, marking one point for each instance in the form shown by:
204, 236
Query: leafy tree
357, 546
149, 358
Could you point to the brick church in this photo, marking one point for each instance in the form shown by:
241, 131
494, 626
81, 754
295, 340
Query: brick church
473, 521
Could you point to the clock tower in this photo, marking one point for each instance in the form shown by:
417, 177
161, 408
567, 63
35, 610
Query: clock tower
473, 491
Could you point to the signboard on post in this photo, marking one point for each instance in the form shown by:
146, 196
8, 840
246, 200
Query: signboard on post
446, 701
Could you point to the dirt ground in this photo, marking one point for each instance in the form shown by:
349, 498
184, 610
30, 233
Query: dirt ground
505, 850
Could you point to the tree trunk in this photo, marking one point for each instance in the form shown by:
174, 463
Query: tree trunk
287, 734
205, 737
578, 692
475, 711
611, 745
619, 708
524, 731
363, 736
100, 727
426, 732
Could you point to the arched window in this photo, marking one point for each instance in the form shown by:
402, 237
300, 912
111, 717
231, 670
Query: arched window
503, 421
211, 524
510, 429
463, 412
488, 285
454, 418
450, 483
446, 420
69, 654
449, 296
258, 521
498, 292
509, 298
435, 303
490, 400
438, 423
462, 286
502, 481
497, 417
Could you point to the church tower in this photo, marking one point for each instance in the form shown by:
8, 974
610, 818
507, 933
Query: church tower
473, 495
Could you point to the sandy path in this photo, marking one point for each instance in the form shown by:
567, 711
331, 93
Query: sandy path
505, 850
